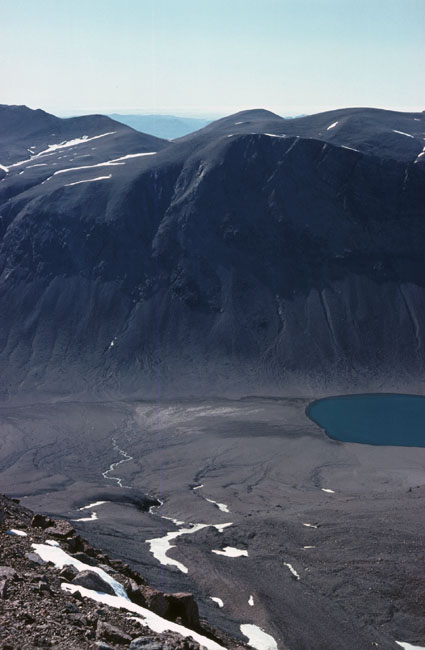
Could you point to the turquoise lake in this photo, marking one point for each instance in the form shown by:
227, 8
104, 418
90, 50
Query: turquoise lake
373, 419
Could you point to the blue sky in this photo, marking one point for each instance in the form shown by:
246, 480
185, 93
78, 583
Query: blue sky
212, 56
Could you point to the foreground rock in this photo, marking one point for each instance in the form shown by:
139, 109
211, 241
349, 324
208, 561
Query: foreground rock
35, 612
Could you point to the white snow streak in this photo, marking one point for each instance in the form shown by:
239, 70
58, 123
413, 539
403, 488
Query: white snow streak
62, 145
409, 646
5, 169
310, 525
292, 570
220, 506
160, 546
231, 551
19, 533
221, 527
89, 180
251, 601
257, 638
60, 559
151, 620
403, 133
332, 126
328, 490
92, 517
217, 600
93, 505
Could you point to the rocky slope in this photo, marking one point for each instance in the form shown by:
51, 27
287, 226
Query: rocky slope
257, 255
36, 610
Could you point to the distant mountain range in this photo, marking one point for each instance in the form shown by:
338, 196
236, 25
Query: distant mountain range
162, 126
257, 254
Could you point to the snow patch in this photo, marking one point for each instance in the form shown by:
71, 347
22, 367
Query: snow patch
217, 600
60, 559
175, 521
257, 638
19, 533
328, 490
251, 601
92, 517
160, 546
292, 570
149, 619
134, 155
332, 126
62, 145
403, 133
310, 525
52, 542
231, 551
5, 169
409, 646
309, 547
89, 180
220, 506
93, 505
197, 487
221, 527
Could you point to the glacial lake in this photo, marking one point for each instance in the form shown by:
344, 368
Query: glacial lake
372, 419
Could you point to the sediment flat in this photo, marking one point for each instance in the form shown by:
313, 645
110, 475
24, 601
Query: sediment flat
326, 541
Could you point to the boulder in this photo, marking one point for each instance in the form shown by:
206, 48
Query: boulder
93, 581
145, 643
41, 521
86, 559
34, 559
8, 572
172, 606
3, 589
135, 593
184, 606
111, 634
69, 572
61, 529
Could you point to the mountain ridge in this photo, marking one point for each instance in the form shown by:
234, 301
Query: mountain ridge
239, 262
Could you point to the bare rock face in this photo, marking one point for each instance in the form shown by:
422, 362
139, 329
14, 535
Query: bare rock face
184, 607
180, 606
92, 580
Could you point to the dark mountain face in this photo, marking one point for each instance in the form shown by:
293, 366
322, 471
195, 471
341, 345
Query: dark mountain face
227, 262
25, 133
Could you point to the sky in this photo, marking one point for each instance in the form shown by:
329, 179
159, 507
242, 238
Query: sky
212, 57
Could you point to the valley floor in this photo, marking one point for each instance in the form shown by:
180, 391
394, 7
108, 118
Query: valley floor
325, 546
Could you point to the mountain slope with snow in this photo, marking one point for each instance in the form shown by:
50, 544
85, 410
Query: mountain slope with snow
236, 259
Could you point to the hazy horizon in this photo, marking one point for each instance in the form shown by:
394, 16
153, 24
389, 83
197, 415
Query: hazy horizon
212, 58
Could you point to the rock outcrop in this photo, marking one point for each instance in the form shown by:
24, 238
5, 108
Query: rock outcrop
35, 611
